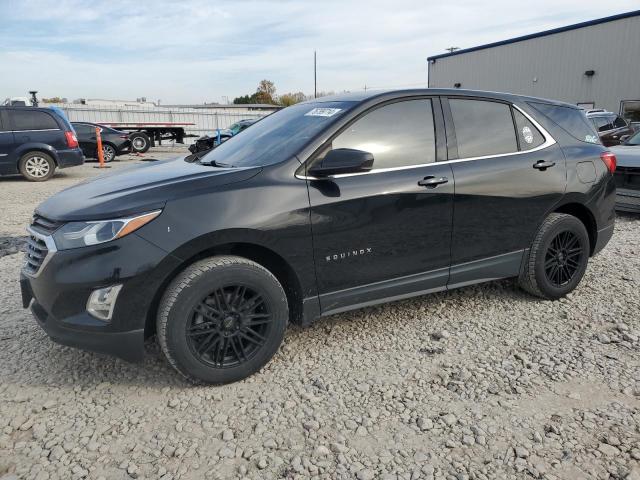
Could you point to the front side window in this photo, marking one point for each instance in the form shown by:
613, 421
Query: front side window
482, 128
32, 120
398, 135
529, 136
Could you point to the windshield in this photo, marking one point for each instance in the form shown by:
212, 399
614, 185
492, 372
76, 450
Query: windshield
278, 136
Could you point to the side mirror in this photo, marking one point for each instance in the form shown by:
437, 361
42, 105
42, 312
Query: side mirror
342, 160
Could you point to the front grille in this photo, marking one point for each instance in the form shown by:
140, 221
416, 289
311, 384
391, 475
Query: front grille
37, 251
44, 225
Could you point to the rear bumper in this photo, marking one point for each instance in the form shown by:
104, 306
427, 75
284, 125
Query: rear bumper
70, 158
124, 147
604, 235
628, 200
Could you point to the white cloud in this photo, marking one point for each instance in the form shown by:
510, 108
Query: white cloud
195, 51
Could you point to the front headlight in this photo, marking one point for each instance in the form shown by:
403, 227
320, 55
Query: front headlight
82, 234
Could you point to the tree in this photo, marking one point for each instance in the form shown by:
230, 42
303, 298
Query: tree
245, 99
289, 99
266, 92
54, 100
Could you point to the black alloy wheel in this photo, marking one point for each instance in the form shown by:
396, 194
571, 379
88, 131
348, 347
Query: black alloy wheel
229, 326
222, 319
557, 259
563, 258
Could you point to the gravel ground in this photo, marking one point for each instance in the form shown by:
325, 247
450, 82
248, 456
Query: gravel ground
484, 382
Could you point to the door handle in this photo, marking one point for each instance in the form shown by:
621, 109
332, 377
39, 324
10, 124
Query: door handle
542, 165
432, 182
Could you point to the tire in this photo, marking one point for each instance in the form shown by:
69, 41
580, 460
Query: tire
140, 142
558, 257
206, 314
37, 166
108, 152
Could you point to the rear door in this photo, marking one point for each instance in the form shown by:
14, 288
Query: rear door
7, 145
384, 233
509, 173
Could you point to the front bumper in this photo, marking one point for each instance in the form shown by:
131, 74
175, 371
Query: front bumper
57, 294
70, 158
628, 200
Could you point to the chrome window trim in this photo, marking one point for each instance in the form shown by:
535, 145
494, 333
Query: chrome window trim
51, 250
549, 140
37, 130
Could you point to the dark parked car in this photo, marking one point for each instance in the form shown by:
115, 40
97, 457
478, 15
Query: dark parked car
320, 208
206, 142
114, 142
36, 141
628, 174
612, 128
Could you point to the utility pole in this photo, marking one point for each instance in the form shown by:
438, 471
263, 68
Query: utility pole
315, 75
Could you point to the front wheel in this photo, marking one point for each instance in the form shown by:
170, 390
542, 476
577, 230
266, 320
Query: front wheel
222, 319
558, 257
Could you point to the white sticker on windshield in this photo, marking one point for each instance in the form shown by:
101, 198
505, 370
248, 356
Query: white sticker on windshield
322, 112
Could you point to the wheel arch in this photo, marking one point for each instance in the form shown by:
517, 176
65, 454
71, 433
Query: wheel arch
260, 254
22, 150
582, 213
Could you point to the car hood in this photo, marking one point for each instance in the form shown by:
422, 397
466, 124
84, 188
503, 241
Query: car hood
627, 155
142, 188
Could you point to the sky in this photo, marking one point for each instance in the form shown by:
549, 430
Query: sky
196, 51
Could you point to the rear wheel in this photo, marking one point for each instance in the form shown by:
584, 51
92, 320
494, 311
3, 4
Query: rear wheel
222, 319
140, 142
558, 257
108, 152
37, 166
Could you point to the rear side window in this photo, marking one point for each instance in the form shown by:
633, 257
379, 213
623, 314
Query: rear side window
602, 124
483, 128
399, 134
571, 120
528, 135
32, 120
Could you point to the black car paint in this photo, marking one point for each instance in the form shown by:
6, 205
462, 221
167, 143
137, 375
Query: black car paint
89, 143
15, 143
337, 244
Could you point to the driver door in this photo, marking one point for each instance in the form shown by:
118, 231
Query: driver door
384, 234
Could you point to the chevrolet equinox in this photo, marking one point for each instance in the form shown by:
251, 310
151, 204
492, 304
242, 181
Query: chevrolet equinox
320, 208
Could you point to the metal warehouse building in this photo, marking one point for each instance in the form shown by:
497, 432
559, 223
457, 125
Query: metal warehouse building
594, 64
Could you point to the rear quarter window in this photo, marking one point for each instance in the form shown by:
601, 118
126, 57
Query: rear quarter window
571, 120
32, 120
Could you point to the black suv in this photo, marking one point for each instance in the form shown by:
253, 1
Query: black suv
612, 128
320, 208
34, 141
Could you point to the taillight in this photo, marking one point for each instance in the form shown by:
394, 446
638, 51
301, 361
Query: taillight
609, 160
72, 140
